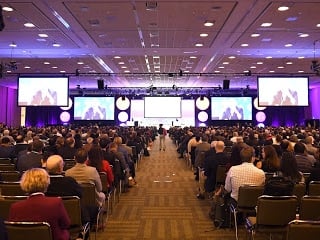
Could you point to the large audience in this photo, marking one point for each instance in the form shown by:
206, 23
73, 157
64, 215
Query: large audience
247, 152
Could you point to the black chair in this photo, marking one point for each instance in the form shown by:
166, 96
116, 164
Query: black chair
28, 230
299, 190
310, 208
5, 204
73, 206
10, 176
221, 174
273, 215
11, 189
302, 229
314, 188
5, 161
7, 167
246, 204
109, 192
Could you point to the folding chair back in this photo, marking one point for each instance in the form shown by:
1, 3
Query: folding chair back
28, 230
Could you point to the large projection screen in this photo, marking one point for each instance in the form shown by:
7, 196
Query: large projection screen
162, 107
283, 91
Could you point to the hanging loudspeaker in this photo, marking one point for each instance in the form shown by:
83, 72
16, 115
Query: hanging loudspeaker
226, 84
100, 83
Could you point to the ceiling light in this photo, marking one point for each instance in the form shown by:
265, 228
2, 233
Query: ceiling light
29, 25
208, 23
80, 62
193, 57
216, 71
54, 67
120, 63
225, 63
221, 67
301, 57
204, 34
271, 71
62, 71
303, 35
46, 63
7, 9
259, 63
268, 57
43, 35
289, 63
266, 24
123, 67
244, 45
56, 44
199, 44
116, 57
291, 19
318, 25
283, 8
253, 67
127, 71
288, 45
232, 57
301, 71
27, 67
255, 35
13, 45
280, 67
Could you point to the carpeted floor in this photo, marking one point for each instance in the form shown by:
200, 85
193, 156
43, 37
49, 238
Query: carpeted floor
163, 205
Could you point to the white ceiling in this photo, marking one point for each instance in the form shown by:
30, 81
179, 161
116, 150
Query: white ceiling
155, 38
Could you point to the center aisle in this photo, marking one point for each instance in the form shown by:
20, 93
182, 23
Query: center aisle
163, 204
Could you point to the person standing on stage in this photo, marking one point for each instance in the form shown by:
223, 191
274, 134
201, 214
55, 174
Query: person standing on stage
162, 134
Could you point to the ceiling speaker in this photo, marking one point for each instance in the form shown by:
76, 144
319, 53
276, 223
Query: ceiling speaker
1, 19
100, 83
226, 84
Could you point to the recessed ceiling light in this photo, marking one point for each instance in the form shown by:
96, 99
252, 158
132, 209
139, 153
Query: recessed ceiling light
301, 71
116, 57
204, 34
8, 71
288, 45
244, 45
208, 23
80, 62
225, 63
7, 9
62, 71
43, 35
27, 67
271, 71
259, 63
124, 67
193, 57
216, 71
13, 44
46, 63
54, 67
29, 25
303, 35
221, 67
266, 24
253, 67
291, 19
126, 71
41, 40
199, 44
255, 35
266, 40
301, 57
232, 57
56, 44
289, 63
318, 25
283, 8
280, 67
268, 57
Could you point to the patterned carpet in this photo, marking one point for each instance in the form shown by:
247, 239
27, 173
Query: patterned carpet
163, 205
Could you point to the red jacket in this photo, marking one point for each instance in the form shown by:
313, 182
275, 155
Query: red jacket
39, 208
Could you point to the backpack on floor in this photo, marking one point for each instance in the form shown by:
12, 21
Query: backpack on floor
220, 210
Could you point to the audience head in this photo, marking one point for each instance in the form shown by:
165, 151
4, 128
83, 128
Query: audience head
70, 142
247, 154
5, 140
309, 140
81, 155
239, 139
117, 140
37, 146
299, 148
35, 180
54, 164
219, 146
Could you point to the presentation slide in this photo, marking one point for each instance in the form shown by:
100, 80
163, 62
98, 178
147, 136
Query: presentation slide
231, 108
162, 107
94, 108
43, 91
283, 91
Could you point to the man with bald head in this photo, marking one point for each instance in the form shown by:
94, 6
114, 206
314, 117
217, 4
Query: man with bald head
60, 185
212, 160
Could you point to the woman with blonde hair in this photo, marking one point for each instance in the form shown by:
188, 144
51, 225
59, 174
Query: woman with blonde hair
39, 208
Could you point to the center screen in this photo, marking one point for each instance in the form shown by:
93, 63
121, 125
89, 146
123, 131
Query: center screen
162, 107
94, 108
231, 108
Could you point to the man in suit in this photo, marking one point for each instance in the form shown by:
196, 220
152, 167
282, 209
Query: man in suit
32, 159
6, 149
86, 174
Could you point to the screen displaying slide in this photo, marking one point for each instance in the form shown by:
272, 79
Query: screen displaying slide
94, 108
43, 91
231, 108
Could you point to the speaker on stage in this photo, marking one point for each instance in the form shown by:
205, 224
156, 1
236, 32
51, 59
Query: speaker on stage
226, 84
100, 83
